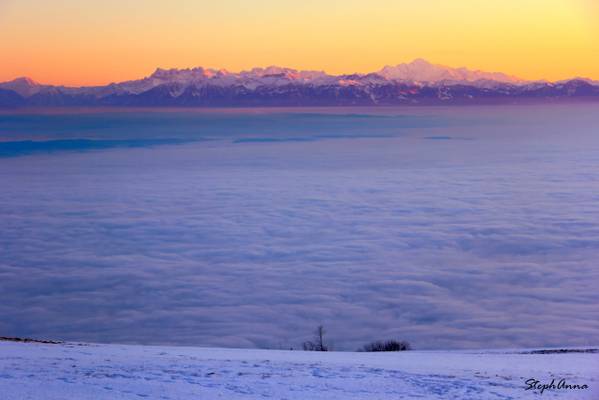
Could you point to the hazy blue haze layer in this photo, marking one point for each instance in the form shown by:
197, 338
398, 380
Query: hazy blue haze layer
447, 227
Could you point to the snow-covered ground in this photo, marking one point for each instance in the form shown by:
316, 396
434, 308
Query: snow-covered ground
91, 371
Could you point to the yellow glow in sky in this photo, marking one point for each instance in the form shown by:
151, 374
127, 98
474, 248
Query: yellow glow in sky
76, 42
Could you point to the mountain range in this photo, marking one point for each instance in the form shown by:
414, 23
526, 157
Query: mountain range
416, 83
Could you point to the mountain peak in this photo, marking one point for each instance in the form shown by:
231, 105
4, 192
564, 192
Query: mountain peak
419, 62
24, 86
164, 73
422, 71
24, 80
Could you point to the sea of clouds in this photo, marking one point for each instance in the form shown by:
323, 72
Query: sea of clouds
449, 228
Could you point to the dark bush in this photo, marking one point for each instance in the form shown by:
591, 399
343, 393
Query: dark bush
387, 345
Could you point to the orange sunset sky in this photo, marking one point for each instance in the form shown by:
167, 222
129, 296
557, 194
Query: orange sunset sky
75, 42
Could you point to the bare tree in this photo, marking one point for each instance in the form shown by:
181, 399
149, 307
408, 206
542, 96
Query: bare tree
319, 343
320, 338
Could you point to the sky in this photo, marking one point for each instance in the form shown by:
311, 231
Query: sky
87, 43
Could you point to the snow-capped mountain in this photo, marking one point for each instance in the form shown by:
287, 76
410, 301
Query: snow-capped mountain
421, 71
418, 82
25, 87
197, 77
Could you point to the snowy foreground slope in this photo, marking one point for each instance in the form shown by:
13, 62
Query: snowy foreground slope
82, 371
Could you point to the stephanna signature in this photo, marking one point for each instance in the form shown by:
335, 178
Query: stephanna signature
555, 384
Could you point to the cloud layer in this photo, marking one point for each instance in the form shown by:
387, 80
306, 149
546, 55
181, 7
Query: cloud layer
486, 242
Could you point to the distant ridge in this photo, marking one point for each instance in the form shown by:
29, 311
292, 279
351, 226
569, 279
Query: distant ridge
416, 83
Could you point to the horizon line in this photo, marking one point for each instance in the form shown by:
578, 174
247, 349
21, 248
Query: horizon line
264, 67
